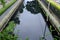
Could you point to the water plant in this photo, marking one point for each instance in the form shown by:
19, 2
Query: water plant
51, 28
27, 38
54, 33
7, 33
55, 39
46, 35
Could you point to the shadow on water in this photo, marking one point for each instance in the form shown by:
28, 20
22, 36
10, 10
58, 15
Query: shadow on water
33, 7
21, 8
15, 18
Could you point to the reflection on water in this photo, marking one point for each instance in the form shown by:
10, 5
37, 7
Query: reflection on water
33, 7
15, 18
31, 26
21, 8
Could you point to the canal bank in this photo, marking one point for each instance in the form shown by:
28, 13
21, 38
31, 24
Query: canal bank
6, 16
54, 20
51, 16
53, 29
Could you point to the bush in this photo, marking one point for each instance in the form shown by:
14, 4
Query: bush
7, 33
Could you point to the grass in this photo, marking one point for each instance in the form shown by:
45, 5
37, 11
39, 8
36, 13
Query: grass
10, 26
7, 33
2, 10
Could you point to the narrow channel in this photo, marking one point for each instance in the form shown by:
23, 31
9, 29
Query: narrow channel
32, 26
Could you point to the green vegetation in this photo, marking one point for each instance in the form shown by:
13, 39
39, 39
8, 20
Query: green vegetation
51, 28
27, 38
55, 39
7, 33
6, 6
3, 2
55, 35
10, 26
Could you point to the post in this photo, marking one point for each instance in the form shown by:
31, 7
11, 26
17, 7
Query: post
48, 10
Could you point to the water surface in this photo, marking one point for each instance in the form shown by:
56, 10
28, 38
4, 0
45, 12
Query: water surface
31, 26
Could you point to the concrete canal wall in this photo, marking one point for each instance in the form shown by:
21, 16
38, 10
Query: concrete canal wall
5, 18
55, 21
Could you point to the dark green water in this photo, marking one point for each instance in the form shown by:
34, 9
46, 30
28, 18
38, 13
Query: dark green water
32, 25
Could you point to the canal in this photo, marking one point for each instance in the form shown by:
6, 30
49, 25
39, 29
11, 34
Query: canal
32, 25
